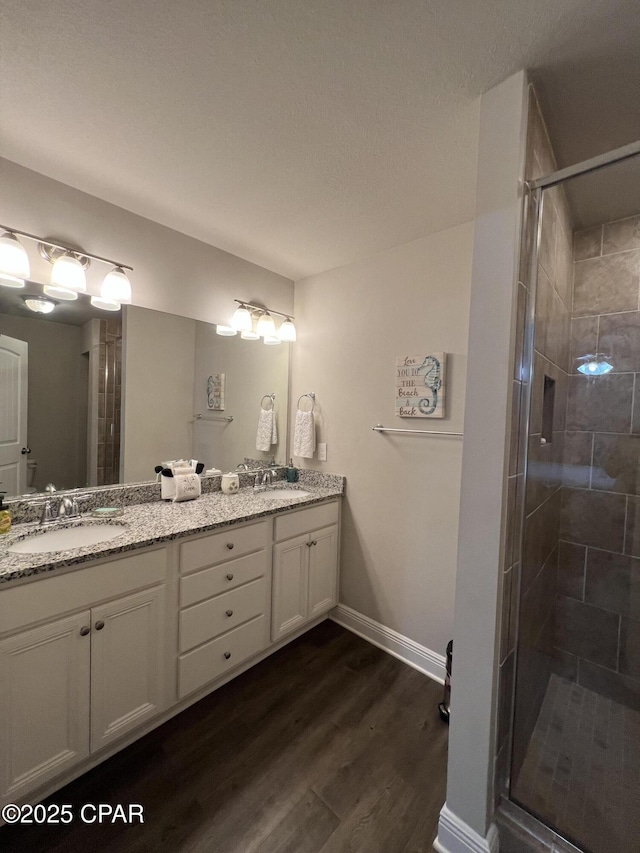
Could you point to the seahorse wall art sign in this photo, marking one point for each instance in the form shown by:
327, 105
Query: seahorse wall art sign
420, 385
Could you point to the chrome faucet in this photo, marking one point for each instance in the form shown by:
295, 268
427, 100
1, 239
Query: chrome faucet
242, 466
66, 508
263, 479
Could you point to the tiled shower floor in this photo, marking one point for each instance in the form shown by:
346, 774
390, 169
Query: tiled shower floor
581, 773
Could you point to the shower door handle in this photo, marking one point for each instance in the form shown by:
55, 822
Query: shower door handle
25, 451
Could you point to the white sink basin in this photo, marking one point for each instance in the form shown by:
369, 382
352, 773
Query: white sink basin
284, 494
67, 538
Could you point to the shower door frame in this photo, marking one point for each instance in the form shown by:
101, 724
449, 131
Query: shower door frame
533, 204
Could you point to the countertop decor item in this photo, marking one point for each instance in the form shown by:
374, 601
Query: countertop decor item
230, 483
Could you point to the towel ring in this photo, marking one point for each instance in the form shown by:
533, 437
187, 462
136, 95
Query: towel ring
271, 397
312, 397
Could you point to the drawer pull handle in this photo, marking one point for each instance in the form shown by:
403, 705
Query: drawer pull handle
229, 612
99, 625
314, 542
227, 655
309, 544
84, 631
230, 546
230, 576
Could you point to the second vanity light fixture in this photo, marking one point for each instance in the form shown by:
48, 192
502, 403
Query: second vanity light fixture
265, 327
68, 277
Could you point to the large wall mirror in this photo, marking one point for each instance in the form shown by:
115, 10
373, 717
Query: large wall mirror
89, 397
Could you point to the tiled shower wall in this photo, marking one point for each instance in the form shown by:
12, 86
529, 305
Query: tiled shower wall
109, 401
598, 607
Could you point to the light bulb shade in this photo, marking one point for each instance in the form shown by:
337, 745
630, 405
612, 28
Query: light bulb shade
68, 273
39, 305
272, 340
14, 261
116, 287
287, 331
241, 320
225, 331
266, 328
10, 281
250, 336
60, 292
105, 304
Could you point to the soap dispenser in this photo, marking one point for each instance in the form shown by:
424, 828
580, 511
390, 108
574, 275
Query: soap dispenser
5, 516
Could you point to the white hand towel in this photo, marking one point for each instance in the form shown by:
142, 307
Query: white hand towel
304, 435
188, 487
267, 430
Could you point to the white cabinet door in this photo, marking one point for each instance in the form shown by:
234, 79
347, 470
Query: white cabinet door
290, 585
127, 660
44, 703
323, 570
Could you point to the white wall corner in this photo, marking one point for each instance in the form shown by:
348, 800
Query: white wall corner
455, 836
427, 662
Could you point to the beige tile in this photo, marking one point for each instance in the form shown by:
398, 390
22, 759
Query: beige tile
596, 519
584, 340
606, 285
619, 338
564, 265
622, 235
600, 403
547, 254
616, 463
587, 243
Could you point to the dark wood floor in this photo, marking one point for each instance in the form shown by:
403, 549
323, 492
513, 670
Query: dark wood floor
329, 745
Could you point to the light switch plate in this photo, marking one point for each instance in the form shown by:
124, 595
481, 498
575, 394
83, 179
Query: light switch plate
322, 452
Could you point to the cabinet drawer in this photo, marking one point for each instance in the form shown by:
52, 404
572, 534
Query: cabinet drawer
203, 665
210, 618
231, 542
222, 578
295, 523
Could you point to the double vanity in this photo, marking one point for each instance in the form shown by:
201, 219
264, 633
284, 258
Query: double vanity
131, 620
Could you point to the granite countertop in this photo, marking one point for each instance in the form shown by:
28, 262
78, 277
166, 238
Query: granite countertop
153, 523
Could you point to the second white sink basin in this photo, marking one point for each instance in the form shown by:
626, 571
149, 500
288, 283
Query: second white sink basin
67, 538
284, 494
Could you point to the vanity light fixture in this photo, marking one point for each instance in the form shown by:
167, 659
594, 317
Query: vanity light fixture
225, 331
68, 273
265, 326
105, 304
116, 287
242, 320
14, 261
39, 305
287, 331
60, 292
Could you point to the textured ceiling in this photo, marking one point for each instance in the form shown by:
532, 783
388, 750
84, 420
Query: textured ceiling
300, 134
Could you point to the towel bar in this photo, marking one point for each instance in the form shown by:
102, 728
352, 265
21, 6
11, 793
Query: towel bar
201, 417
380, 428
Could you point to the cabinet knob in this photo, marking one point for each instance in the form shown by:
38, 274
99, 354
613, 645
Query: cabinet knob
99, 625
229, 612
84, 631
314, 542
230, 546
309, 544
227, 655
230, 576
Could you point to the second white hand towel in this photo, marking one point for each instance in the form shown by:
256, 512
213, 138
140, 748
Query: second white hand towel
267, 432
304, 435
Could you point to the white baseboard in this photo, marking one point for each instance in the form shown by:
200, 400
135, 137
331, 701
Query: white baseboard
412, 653
455, 836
